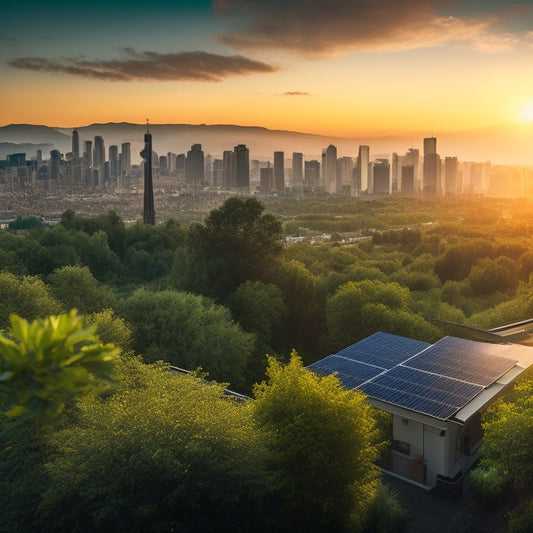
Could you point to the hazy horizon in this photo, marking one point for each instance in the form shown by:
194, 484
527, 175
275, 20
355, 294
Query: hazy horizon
342, 69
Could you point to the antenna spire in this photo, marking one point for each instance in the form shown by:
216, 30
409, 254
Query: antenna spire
147, 126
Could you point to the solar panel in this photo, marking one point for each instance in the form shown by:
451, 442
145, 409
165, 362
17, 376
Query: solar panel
436, 380
383, 349
462, 359
351, 373
422, 386
409, 401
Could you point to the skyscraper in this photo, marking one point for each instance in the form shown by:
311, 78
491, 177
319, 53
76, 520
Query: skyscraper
451, 172
267, 179
279, 172
381, 176
312, 173
55, 163
228, 174
113, 162
331, 169
363, 160
195, 166
241, 167
99, 158
146, 154
431, 166
75, 144
126, 158
297, 168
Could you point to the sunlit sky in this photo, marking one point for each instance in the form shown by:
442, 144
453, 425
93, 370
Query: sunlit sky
333, 67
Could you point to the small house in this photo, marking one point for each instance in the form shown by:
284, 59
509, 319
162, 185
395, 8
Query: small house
436, 394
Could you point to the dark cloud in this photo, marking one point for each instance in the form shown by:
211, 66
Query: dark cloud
322, 28
196, 66
295, 93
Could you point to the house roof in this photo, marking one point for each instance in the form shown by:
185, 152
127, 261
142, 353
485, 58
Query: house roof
452, 378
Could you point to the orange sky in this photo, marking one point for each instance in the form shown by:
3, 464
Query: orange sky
337, 68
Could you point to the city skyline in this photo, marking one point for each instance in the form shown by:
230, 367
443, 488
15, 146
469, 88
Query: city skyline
342, 68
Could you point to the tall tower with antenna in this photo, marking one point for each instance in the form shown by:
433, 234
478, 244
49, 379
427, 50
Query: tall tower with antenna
146, 154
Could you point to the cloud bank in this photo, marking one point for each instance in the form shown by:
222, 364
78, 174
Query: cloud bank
328, 28
182, 66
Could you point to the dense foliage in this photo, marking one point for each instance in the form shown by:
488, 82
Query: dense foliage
221, 295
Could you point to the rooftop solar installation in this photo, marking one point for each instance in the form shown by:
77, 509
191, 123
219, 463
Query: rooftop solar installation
383, 349
351, 373
428, 393
434, 379
471, 361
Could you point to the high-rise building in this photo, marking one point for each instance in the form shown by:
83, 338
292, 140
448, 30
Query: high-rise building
267, 179
180, 167
297, 169
331, 169
363, 160
228, 176
146, 154
381, 176
312, 174
431, 166
241, 167
279, 172
345, 175
126, 158
451, 173
407, 179
412, 158
99, 158
113, 162
55, 164
75, 144
195, 166
218, 172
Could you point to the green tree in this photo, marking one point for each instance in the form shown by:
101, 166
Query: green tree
259, 308
42, 360
163, 453
508, 433
322, 443
76, 288
359, 309
188, 331
26, 296
234, 245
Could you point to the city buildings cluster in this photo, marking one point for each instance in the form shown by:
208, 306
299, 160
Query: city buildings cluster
90, 166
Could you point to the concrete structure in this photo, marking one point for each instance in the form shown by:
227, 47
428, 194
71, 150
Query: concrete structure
279, 172
195, 166
436, 394
363, 160
125, 158
312, 174
330, 168
267, 179
146, 154
241, 168
431, 167
381, 176
297, 169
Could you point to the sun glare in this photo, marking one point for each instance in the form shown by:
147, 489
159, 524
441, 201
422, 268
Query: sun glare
526, 112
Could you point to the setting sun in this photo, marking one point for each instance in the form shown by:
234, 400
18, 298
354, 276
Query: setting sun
526, 112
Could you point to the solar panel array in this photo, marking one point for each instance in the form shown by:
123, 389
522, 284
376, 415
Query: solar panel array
351, 373
383, 349
470, 361
436, 380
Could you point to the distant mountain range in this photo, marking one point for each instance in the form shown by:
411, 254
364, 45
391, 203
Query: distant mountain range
506, 145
